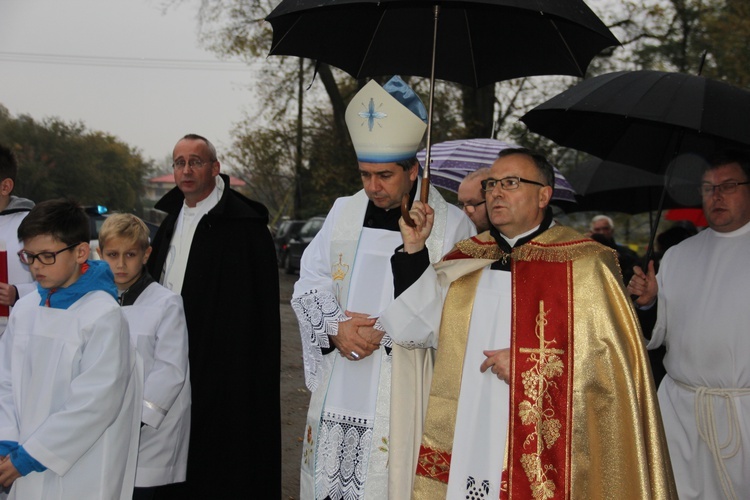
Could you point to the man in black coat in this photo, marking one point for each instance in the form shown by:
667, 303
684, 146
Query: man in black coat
214, 248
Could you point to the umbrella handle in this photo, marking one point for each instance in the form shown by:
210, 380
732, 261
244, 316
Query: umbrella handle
423, 197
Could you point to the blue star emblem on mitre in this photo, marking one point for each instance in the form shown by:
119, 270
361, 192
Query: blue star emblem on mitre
371, 115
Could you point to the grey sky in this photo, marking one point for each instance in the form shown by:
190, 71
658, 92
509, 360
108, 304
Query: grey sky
131, 70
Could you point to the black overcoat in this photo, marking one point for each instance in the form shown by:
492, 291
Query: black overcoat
231, 297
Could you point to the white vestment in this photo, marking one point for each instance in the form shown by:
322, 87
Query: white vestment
157, 329
704, 320
18, 274
482, 416
345, 451
70, 388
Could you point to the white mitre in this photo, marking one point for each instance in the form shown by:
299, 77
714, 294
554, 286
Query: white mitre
386, 123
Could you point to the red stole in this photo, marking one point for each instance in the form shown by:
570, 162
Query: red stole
539, 435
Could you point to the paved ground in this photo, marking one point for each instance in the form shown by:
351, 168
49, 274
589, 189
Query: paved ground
294, 394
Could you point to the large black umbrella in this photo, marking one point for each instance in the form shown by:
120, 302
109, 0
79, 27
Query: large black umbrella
645, 118
652, 120
614, 187
477, 42
474, 42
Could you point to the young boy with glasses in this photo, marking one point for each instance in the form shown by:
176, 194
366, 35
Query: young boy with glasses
70, 381
158, 330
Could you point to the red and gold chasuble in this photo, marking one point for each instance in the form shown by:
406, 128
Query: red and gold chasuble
569, 396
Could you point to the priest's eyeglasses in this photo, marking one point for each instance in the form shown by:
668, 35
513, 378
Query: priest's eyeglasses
193, 163
46, 258
470, 207
507, 183
729, 187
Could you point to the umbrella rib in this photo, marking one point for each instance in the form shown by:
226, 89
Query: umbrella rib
369, 46
567, 47
289, 30
471, 50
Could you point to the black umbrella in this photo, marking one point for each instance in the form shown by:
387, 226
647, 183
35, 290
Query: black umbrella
645, 118
613, 187
648, 119
477, 42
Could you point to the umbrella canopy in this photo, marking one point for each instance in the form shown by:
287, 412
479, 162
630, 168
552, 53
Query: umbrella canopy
453, 160
613, 187
645, 118
477, 42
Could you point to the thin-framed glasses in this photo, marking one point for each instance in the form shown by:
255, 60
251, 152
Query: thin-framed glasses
470, 207
729, 187
507, 183
46, 258
193, 163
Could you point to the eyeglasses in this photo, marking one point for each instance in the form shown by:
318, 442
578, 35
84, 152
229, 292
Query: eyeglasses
470, 207
730, 187
507, 183
193, 163
46, 258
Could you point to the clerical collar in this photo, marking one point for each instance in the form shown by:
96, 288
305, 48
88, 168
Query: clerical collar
380, 218
507, 244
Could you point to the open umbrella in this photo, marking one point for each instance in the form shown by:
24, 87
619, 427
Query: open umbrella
453, 160
645, 118
474, 42
652, 120
478, 42
614, 187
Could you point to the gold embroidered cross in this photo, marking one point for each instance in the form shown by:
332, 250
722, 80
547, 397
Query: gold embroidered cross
543, 352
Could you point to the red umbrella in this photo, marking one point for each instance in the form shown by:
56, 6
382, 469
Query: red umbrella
694, 215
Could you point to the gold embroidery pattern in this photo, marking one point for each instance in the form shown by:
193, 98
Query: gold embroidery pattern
540, 248
480, 249
307, 452
339, 270
537, 410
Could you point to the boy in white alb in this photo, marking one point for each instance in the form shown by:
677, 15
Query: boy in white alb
70, 381
158, 331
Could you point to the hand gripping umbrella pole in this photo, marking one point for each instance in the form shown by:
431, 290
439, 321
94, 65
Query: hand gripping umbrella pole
425, 191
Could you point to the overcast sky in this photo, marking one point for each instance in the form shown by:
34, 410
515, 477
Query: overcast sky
124, 67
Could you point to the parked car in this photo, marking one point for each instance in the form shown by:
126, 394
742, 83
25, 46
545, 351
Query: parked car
299, 242
286, 230
97, 215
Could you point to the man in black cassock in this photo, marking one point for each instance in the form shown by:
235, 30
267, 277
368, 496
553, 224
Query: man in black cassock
214, 248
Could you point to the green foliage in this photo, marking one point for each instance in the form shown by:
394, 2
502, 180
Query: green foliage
58, 159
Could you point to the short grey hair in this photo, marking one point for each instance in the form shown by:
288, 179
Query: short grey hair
597, 218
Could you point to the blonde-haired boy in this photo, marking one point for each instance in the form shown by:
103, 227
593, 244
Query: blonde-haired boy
158, 330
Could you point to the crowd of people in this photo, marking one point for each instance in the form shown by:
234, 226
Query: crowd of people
512, 361
142, 374
478, 351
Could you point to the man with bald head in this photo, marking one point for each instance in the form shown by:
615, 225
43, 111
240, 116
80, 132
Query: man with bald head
539, 355
471, 198
703, 318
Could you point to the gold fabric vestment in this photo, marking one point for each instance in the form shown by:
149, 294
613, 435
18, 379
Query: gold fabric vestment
603, 427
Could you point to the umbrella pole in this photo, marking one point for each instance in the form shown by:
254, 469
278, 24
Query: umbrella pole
667, 181
425, 191
426, 173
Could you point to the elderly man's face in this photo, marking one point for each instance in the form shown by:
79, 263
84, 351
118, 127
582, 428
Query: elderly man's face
603, 227
727, 212
520, 210
471, 197
387, 183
